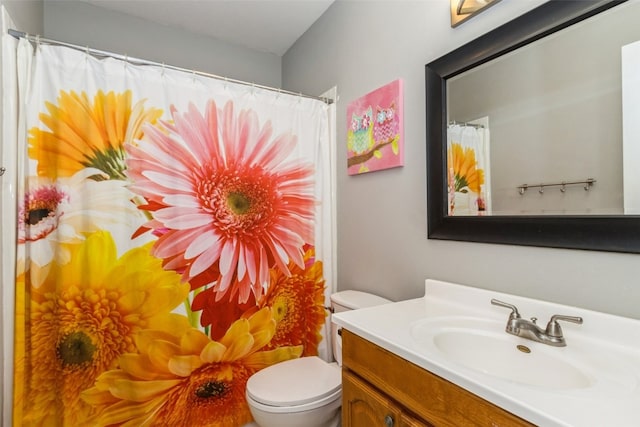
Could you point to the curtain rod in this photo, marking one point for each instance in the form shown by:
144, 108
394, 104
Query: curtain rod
463, 124
137, 61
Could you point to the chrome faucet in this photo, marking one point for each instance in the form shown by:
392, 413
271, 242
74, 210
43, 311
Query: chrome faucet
524, 328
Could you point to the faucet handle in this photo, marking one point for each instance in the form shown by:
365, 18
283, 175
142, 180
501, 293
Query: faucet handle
514, 310
553, 327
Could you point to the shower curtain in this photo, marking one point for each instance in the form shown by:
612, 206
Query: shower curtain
174, 237
468, 173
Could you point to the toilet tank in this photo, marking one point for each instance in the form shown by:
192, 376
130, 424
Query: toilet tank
349, 300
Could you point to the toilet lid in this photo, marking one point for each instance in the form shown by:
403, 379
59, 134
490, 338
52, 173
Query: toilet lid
294, 382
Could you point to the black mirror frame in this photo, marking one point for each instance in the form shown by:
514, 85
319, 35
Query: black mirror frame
598, 232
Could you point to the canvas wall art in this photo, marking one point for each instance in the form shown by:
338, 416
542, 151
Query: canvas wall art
375, 130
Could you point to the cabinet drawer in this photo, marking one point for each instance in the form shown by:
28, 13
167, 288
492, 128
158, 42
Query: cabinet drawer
430, 397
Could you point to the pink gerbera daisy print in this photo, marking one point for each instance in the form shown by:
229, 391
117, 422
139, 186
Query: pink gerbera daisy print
228, 199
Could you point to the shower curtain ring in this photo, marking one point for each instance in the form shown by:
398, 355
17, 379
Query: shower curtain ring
563, 189
541, 190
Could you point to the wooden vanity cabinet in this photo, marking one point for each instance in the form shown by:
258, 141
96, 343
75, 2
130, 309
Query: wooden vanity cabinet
382, 389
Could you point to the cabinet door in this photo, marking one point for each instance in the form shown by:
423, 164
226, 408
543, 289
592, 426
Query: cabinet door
364, 406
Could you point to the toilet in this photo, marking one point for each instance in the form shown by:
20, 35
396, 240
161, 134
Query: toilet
306, 391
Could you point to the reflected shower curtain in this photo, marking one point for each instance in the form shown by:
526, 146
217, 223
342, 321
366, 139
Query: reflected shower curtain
468, 178
172, 241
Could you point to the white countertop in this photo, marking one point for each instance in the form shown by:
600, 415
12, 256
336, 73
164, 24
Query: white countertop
612, 341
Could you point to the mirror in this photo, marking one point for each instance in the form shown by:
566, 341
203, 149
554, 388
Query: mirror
518, 201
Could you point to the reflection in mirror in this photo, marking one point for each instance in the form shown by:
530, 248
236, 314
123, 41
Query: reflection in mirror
533, 131
468, 167
556, 113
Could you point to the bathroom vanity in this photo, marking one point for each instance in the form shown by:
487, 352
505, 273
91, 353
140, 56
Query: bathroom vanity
446, 360
380, 388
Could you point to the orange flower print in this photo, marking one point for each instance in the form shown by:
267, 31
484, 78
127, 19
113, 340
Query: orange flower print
180, 377
84, 134
298, 303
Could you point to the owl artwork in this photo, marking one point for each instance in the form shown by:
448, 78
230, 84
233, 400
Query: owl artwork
359, 139
374, 125
386, 126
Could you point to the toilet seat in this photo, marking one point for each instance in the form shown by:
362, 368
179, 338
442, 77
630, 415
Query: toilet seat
295, 385
333, 401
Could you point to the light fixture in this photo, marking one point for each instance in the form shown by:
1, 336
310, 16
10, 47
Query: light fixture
461, 10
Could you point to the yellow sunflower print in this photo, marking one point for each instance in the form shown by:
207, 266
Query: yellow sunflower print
82, 317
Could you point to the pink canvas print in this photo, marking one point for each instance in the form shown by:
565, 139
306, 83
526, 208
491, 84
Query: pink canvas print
375, 134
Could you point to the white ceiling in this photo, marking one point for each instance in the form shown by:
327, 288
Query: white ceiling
264, 25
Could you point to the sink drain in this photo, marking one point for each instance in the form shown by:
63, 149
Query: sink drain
523, 348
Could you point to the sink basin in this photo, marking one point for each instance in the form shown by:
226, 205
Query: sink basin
483, 346
456, 333
500, 357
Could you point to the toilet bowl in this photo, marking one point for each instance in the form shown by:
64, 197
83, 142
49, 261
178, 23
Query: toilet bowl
299, 392
306, 391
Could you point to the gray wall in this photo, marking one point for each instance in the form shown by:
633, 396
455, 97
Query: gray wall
87, 25
382, 231
26, 14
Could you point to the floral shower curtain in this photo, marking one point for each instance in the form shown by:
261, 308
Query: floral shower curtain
172, 241
468, 182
